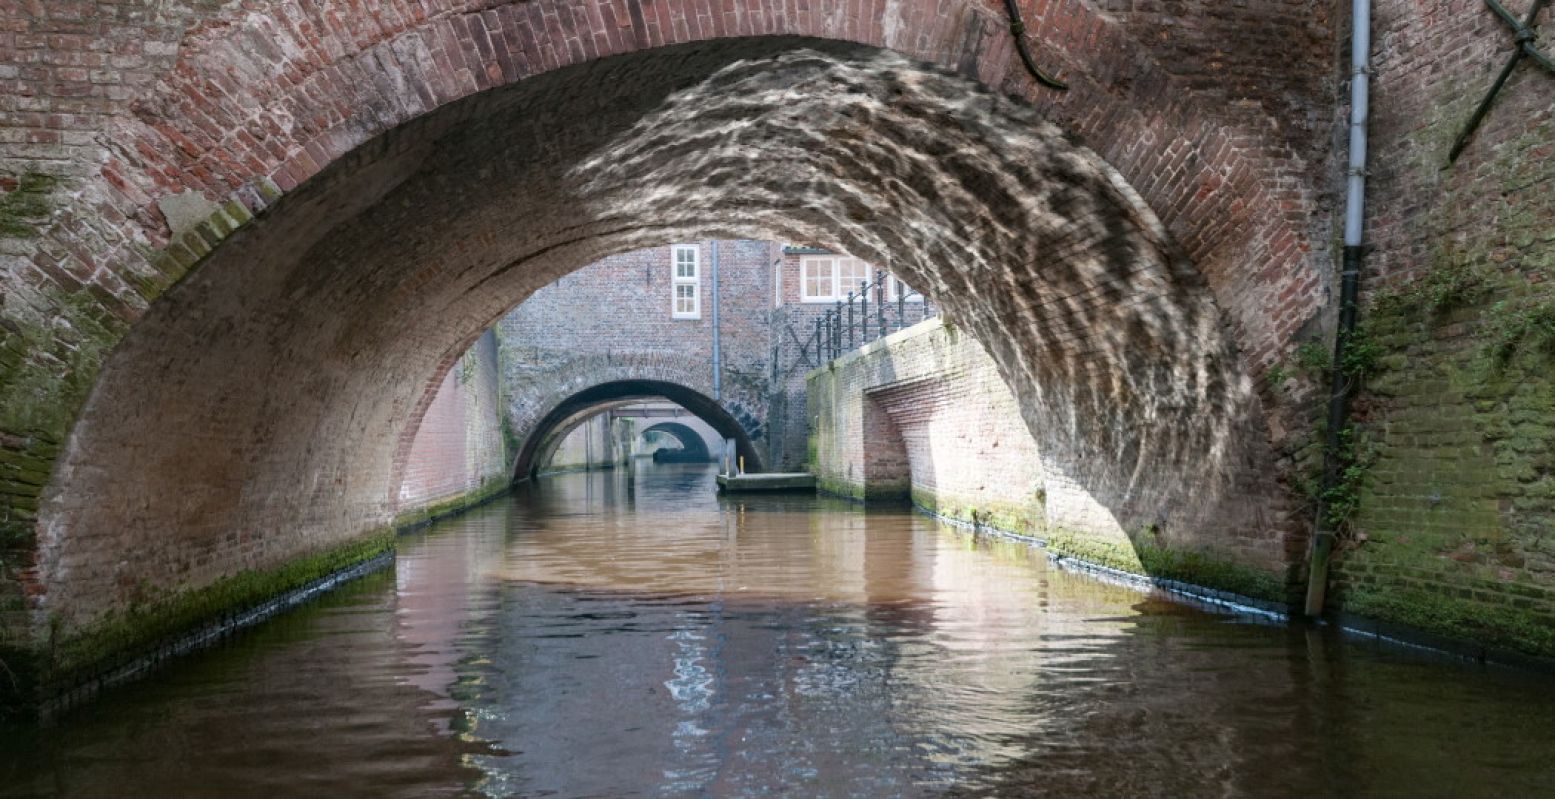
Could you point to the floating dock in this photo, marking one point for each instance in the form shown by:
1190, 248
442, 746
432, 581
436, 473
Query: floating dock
766, 482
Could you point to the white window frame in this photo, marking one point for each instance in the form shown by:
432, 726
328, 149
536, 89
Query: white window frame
843, 288
894, 287
833, 281
693, 281
808, 263
836, 291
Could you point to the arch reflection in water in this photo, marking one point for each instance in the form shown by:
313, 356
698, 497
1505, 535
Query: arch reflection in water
654, 639
629, 633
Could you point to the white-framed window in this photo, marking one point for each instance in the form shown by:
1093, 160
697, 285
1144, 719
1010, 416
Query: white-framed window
828, 278
817, 278
894, 288
686, 282
851, 275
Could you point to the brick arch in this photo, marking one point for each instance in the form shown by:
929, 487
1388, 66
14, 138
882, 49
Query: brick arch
690, 441
264, 99
356, 125
545, 433
531, 400
533, 404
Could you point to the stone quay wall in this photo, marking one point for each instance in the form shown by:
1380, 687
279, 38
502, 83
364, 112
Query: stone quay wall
924, 415
1449, 514
459, 454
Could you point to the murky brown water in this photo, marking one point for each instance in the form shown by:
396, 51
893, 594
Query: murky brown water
605, 636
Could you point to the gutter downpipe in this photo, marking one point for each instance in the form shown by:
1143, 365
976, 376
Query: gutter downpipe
718, 382
1343, 385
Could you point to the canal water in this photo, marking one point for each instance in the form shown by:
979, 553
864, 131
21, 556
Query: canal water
631, 634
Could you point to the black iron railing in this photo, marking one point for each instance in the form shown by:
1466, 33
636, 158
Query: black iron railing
868, 313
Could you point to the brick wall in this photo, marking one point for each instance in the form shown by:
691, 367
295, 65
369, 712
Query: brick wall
612, 321
926, 413
1454, 524
458, 449
596, 443
796, 351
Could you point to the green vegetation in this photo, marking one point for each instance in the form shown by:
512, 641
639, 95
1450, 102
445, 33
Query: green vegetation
1454, 282
1187, 566
1356, 455
492, 488
123, 634
1276, 375
1440, 612
1529, 329
1310, 359
1361, 353
25, 207
1020, 519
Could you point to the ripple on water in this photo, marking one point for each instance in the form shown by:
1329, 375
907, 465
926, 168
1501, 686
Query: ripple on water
595, 638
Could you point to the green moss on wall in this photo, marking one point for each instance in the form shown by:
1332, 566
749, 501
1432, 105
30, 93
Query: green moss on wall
1448, 613
875, 491
1194, 567
1021, 519
1455, 527
416, 517
70, 654
26, 205
53, 344
1135, 556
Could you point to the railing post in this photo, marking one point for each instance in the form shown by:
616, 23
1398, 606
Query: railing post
863, 313
850, 320
819, 353
901, 307
836, 329
880, 302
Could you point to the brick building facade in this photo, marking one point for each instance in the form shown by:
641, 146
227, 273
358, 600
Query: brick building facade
648, 315
810, 283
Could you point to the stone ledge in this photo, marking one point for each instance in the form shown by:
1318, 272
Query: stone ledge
766, 482
69, 669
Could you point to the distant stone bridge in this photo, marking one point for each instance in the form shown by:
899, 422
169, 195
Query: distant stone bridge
551, 391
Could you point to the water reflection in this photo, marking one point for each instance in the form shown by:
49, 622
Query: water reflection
629, 634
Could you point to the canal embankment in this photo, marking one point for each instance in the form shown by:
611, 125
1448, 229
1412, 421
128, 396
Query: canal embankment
924, 417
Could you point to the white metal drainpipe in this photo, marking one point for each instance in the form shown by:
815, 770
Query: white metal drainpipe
1354, 253
718, 383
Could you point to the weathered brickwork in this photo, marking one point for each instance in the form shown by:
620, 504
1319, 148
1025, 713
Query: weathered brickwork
1454, 530
614, 437
926, 413
458, 450
612, 322
793, 332
363, 186
598, 442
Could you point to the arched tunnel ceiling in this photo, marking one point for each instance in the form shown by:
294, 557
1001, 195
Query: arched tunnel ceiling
267, 392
